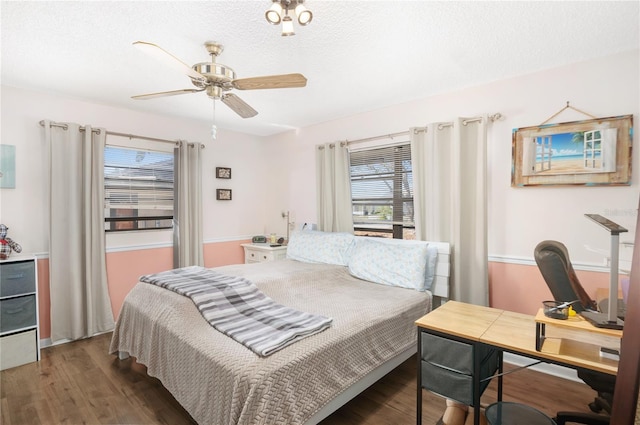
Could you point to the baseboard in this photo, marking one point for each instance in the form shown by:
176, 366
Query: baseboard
46, 342
549, 369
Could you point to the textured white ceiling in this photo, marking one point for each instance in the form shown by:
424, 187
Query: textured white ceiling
357, 55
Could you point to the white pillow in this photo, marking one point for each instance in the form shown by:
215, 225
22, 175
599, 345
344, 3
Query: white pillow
407, 264
312, 246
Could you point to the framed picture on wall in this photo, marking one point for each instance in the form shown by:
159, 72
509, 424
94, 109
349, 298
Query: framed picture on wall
223, 194
591, 153
223, 173
7, 166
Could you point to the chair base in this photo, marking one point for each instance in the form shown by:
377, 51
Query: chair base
601, 403
581, 418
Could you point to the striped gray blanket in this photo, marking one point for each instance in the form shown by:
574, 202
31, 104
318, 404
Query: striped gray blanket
236, 307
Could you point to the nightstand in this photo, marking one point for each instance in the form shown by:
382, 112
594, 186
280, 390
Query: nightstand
19, 339
262, 252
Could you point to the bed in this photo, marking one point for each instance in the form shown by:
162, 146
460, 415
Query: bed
221, 382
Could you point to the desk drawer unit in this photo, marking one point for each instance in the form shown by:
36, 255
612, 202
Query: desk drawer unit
19, 339
447, 367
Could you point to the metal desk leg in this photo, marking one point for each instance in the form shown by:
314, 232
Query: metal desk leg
500, 371
476, 385
540, 332
419, 397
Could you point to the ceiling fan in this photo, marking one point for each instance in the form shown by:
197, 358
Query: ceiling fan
218, 79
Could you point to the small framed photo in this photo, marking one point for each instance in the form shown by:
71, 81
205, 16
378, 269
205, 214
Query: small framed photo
223, 194
223, 173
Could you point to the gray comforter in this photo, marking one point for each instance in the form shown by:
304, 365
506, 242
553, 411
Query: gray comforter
221, 382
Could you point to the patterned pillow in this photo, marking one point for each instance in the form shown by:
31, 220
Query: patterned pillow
312, 246
407, 264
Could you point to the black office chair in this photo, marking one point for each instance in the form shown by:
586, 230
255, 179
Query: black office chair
553, 261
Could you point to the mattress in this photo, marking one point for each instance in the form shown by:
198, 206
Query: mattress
219, 381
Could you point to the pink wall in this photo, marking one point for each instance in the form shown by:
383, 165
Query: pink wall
513, 287
125, 267
223, 253
521, 288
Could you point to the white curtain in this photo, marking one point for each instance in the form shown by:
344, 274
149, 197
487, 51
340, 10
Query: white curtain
450, 200
187, 211
80, 303
333, 182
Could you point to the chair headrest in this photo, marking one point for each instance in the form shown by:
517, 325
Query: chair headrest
552, 258
548, 248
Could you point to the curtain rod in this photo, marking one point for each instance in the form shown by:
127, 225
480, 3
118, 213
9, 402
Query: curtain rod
493, 117
113, 133
384, 136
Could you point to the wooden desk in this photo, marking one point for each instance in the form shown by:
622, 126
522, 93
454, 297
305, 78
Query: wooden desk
574, 343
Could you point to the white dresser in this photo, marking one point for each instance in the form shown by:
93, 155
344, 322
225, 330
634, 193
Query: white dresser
261, 252
19, 339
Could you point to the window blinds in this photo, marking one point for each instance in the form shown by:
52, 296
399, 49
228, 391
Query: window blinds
138, 186
382, 186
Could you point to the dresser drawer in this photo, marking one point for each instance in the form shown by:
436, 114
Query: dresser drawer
17, 313
260, 253
18, 349
265, 256
258, 256
18, 277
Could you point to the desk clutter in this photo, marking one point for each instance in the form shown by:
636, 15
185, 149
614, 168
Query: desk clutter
557, 309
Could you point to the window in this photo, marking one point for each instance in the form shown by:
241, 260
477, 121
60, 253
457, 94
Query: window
138, 191
382, 192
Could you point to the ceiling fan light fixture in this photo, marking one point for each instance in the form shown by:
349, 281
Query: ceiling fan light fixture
279, 13
287, 26
274, 13
304, 15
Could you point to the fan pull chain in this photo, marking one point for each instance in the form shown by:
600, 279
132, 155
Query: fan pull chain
214, 128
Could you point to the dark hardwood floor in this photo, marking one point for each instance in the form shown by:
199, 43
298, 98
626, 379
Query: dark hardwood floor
79, 383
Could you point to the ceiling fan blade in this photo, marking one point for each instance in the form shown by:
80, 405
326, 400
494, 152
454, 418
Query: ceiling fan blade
270, 82
165, 93
167, 58
239, 106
